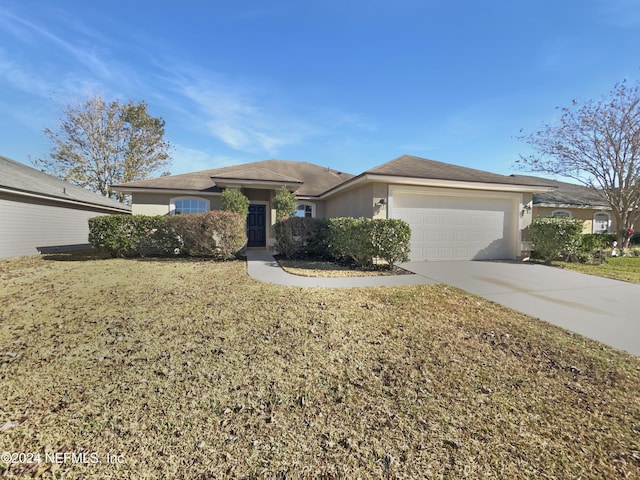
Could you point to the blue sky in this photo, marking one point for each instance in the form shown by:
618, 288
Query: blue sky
348, 84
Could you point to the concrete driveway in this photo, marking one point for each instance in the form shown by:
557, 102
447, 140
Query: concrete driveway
599, 308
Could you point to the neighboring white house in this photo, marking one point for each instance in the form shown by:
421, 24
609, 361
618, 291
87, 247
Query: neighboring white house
40, 212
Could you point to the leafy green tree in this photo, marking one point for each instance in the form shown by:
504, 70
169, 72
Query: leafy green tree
101, 144
233, 200
596, 143
285, 204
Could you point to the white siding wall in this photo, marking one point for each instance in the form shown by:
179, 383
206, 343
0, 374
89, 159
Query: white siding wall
26, 224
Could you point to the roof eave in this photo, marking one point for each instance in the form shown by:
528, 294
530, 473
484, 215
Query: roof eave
434, 182
176, 191
52, 198
584, 206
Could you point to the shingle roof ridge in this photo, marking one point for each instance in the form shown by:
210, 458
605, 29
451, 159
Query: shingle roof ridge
245, 170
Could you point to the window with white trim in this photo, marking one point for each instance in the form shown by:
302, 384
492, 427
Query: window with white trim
601, 222
561, 213
184, 205
305, 209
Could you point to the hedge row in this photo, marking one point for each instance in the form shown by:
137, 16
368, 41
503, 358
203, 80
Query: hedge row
561, 238
353, 240
217, 234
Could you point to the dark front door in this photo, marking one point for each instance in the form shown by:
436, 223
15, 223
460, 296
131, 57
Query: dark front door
256, 226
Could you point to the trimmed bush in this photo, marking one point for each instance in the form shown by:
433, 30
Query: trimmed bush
390, 240
318, 240
343, 237
215, 234
595, 241
285, 204
363, 240
120, 235
294, 236
358, 241
555, 237
233, 200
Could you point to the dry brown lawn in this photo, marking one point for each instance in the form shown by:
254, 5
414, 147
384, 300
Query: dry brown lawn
190, 369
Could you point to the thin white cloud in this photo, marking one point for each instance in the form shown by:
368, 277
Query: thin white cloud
25, 30
69, 62
243, 118
22, 78
186, 159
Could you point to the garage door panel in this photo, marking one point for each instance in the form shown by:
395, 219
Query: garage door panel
452, 228
429, 236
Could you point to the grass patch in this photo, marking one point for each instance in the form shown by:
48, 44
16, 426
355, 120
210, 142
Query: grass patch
190, 369
620, 268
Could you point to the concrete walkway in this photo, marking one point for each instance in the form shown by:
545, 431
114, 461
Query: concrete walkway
599, 308
262, 266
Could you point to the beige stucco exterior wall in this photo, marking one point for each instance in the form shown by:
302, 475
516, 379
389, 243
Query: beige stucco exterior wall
380, 200
257, 194
160, 203
321, 208
584, 214
356, 203
525, 218
150, 204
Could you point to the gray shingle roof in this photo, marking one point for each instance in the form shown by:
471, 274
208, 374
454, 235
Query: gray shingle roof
314, 178
21, 178
416, 167
566, 195
257, 174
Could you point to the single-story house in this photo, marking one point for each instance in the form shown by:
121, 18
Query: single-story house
40, 212
573, 201
455, 213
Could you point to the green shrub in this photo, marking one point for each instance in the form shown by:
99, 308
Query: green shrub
341, 242
120, 235
318, 240
363, 240
294, 236
358, 241
215, 234
555, 237
390, 240
595, 241
233, 200
285, 204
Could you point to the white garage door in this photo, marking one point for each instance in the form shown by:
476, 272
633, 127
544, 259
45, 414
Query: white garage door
458, 227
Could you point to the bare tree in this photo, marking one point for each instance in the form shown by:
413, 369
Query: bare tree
98, 145
598, 144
